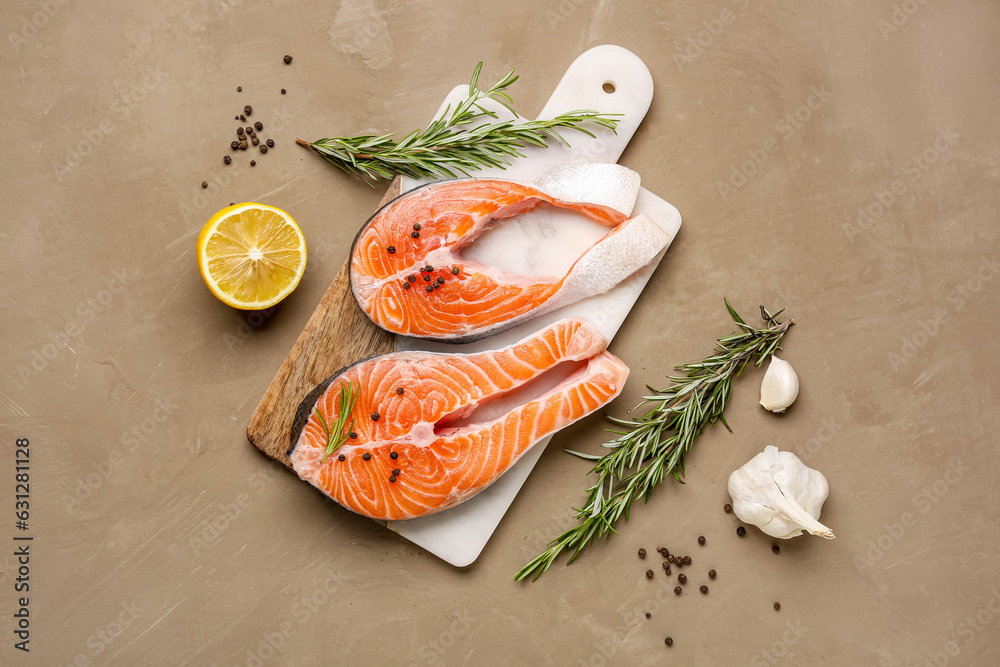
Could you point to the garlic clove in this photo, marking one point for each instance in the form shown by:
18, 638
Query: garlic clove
780, 386
780, 495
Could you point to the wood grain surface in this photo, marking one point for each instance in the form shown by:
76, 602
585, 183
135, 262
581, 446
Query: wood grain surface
336, 335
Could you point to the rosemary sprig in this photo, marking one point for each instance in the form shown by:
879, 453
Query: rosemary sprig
336, 436
653, 445
443, 151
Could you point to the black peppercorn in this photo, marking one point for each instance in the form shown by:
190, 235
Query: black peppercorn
440, 280
411, 277
392, 479
741, 531
227, 159
670, 558
287, 59
247, 109
666, 568
255, 141
395, 471
239, 89
367, 456
400, 390
678, 590
669, 641
728, 508
282, 91
687, 560
777, 606
341, 457
270, 143
454, 270
375, 416
243, 145
711, 574
391, 249
234, 144
394, 455
649, 574
237, 117
243, 118
204, 184
406, 285
701, 539
428, 268
775, 548
430, 288
648, 615
354, 436
239, 131
263, 149
415, 235
427, 278
416, 226
642, 553
258, 126
703, 588
682, 578
253, 163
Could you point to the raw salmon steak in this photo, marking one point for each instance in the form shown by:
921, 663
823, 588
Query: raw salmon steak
431, 430
409, 276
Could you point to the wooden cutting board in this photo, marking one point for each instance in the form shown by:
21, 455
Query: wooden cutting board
608, 78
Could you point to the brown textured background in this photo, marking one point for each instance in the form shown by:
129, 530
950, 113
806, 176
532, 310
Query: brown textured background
194, 549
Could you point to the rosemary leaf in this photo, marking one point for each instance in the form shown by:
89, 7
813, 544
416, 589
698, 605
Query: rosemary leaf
337, 436
657, 442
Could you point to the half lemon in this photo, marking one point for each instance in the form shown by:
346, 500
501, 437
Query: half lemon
251, 256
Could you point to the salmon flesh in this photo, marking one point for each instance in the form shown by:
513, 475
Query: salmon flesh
430, 430
409, 276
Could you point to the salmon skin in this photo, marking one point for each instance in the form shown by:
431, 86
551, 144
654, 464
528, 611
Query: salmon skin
431, 430
409, 277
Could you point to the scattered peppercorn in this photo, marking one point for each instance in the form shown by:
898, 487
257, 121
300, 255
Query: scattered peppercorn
669, 641
234, 144
282, 91
406, 285
287, 59
392, 479
701, 539
227, 159
396, 471
239, 131
703, 588
243, 118
415, 235
454, 270
642, 553
427, 278
237, 116
399, 390
682, 578
711, 574
253, 163
440, 280
375, 416
428, 268
204, 184
270, 143
416, 226
411, 277
242, 145
341, 457
239, 89
666, 568
775, 548
728, 508
741, 531
255, 141
678, 590
263, 149
670, 558
354, 436
649, 574
430, 289
394, 455
648, 615
777, 606
258, 126
367, 456
248, 109
687, 560
391, 249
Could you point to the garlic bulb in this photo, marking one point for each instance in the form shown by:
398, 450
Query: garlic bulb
779, 494
780, 386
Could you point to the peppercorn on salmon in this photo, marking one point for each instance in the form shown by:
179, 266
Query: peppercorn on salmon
409, 276
426, 431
